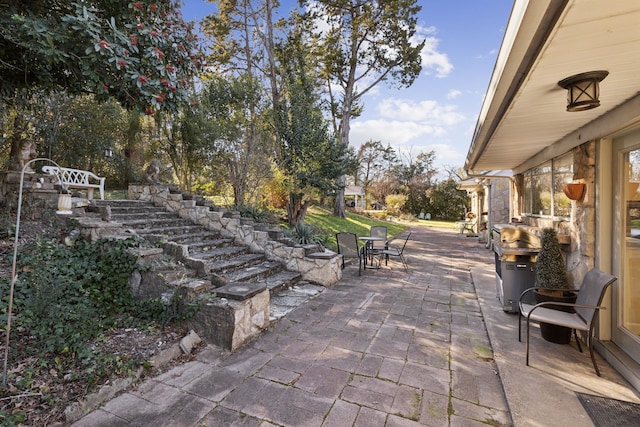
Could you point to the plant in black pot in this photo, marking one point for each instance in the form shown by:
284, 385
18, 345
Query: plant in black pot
553, 283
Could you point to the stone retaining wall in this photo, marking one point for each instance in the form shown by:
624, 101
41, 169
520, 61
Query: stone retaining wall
230, 323
39, 194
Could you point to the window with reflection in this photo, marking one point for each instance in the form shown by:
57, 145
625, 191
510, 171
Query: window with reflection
542, 188
630, 284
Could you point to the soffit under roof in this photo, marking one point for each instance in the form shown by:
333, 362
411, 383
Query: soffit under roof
525, 110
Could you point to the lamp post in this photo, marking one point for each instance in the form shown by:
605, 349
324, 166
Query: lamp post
13, 264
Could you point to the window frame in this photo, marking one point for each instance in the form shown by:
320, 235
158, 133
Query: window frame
542, 189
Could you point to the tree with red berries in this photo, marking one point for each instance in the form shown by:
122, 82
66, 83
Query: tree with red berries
141, 53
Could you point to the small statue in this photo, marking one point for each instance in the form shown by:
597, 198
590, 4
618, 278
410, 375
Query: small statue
153, 171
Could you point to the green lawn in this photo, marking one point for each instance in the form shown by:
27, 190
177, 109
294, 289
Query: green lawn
435, 223
353, 223
360, 225
116, 194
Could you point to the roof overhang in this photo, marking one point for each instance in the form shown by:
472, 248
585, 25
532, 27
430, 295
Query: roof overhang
524, 110
476, 182
353, 190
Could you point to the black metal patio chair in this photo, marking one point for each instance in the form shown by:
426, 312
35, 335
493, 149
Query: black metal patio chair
348, 247
395, 251
587, 307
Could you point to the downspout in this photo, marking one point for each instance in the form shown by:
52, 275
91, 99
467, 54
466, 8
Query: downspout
488, 243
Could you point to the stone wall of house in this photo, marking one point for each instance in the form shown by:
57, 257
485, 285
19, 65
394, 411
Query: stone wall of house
500, 201
577, 235
321, 268
582, 228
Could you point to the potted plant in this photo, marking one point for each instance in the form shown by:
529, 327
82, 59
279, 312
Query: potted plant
553, 283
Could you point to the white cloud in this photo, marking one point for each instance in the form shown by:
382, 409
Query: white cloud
427, 111
453, 94
448, 154
415, 126
432, 59
395, 132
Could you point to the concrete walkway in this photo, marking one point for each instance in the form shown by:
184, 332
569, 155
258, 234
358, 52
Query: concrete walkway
387, 348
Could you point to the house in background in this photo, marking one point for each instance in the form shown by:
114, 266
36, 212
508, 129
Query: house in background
563, 107
490, 195
354, 196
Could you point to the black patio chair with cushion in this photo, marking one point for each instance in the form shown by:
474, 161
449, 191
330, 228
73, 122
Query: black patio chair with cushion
348, 247
587, 307
395, 251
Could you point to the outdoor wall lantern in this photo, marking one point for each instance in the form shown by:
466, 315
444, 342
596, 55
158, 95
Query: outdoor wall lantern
108, 152
583, 90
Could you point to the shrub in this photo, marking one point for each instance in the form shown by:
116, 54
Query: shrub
261, 216
395, 203
551, 272
66, 296
307, 234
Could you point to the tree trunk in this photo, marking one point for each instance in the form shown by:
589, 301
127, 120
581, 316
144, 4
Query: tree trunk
20, 146
133, 152
296, 208
344, 129
339, 206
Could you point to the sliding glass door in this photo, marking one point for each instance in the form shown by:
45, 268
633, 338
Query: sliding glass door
626, 297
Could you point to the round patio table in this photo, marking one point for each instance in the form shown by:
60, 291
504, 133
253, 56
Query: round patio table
368, 246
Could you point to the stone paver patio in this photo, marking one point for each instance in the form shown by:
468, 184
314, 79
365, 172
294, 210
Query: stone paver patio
384, 349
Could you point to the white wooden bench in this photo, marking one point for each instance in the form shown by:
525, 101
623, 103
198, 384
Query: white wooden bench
77, 178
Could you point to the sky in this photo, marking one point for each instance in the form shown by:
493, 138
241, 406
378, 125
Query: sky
439, 111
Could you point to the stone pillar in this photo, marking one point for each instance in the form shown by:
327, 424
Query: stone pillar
581, 255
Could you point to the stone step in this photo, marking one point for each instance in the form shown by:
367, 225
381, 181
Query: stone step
202, 242
177, 231
132, 205
175, 274
254, 272
141, 212
288, 300
224, 266
220, 253
280, 281
151, 222
188, 235
146, 216
122, 202
163, 276
191, 288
